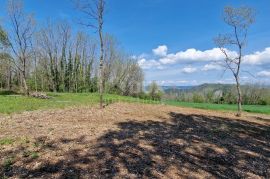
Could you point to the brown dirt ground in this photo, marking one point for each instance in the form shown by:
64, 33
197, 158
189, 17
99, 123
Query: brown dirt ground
135, 141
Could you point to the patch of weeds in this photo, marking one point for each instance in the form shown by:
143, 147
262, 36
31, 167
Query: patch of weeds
40, 142
224, 127
6, 141
25, 140
215, 130
3, 177
34, 155
8, 162
221, 128
31, 154
36, 144
26, 153
224, 134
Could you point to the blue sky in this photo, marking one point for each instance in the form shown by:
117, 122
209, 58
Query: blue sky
176, 27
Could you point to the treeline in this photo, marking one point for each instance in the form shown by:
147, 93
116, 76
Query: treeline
56, 58
251, 94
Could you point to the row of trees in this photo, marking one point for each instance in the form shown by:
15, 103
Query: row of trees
251, 95
56, 58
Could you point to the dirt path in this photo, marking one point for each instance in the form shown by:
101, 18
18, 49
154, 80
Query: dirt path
134, 140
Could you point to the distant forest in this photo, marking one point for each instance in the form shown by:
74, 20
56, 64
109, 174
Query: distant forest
219, 93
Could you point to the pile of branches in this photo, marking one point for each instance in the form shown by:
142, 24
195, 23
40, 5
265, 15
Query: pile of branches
39, 95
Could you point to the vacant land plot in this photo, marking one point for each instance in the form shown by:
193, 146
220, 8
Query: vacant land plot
134, 140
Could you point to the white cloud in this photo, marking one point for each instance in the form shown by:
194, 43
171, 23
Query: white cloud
161, 50
189, 69
263, 74
258, 58
211, 66
172, 82
148, 64
195, 55
162, 58
225, 81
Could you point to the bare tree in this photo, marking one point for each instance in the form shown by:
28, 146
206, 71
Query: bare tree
22, 28
93, 11
49, 48
240, 20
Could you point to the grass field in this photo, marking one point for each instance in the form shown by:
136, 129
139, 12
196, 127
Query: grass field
223, 107
10, 103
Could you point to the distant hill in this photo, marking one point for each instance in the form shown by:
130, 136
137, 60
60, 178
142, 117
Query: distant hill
172, 88
176, 87
202, 87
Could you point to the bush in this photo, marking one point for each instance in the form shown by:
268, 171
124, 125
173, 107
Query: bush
197, 98
143, 95
155, 92
262, 102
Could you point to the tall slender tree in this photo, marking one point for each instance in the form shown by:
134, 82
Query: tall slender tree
22, 27
93, 11
239, 19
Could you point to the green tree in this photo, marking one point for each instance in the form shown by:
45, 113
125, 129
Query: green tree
154, 92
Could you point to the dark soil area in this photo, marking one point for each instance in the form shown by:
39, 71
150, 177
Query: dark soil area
134, 141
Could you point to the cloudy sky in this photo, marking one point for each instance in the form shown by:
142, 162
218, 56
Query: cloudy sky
173, 39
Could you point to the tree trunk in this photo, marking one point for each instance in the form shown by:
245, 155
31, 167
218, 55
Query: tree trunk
9, 79
101, 70
35, 73
239, 98
26, 90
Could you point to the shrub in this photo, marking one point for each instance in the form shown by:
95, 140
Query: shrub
8, 162
197, 98
262, 102
155, 92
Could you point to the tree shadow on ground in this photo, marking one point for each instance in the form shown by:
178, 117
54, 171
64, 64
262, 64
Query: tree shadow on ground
193, 146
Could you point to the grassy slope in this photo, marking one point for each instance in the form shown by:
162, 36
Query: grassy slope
16, 103
223, 107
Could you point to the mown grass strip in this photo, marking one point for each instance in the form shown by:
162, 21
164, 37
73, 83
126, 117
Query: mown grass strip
223, 107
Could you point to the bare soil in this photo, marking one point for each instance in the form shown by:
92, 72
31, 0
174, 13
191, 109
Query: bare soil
135, 141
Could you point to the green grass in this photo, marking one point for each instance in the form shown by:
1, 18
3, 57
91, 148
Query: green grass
31, 154
10, 103
223, 107
6, 141
17, 103
34, 155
